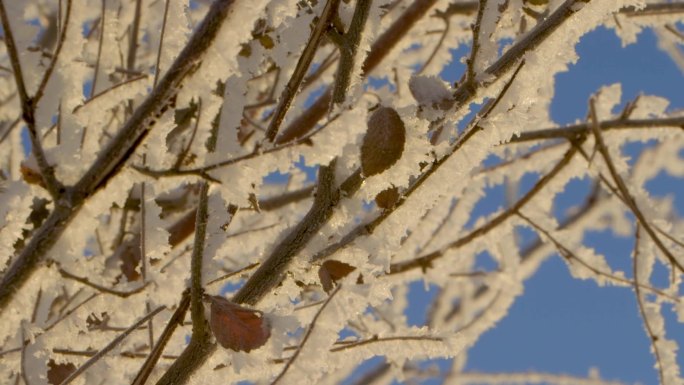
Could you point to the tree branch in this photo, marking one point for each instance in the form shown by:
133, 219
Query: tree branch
200, 347
292, 86
270, 273
348, 48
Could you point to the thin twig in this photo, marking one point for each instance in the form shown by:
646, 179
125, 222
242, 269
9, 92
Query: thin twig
156, 352
161, 43
575, 130
376, 339
306, 336
425, 261
55, 56
103, 289
470, 71
642, 309
110, 346
99, 49
568, 254
624, 191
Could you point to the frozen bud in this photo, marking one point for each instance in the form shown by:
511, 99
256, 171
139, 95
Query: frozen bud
384, 141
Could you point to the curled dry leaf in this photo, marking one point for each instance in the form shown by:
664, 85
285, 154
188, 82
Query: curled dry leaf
384, 141
332, 271
235, 327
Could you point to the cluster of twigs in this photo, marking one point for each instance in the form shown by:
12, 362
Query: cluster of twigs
271, 126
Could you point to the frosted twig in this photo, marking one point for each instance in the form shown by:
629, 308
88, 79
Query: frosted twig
293, 84
624, 191
99, 49
652, 337
470, 70
568, 254
575, 130
156, 352
110, 346
270, 273
28, 110
161, 42
465, 92
425, 261
103, 289
525, 378
53, 60
375, 339
349, 45
200, 346
306, 335
305, 122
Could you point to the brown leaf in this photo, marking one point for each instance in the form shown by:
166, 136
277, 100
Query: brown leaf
59, 372
332, 271
384, 141
31, 174
237, 328
387, 198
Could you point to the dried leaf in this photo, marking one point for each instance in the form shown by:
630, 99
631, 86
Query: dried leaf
332, 271
30, 173
387, 198
59, 372
384, 141
237, 328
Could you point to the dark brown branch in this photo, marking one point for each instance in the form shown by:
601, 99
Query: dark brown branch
292, 86
156, 353
349, 45
200, 346
270, 273
575, 130
470, 71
